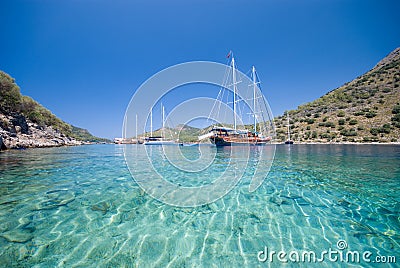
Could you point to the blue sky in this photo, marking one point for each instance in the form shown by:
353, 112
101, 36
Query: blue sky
83, 60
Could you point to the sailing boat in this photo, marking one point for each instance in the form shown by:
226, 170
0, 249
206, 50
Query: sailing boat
288, 141
157, 140
224, 136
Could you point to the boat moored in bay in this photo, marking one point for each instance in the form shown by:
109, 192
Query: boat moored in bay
226, 136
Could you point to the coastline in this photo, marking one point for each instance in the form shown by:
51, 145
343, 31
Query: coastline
341, 143
18, 132
39, 144
50, 145
32, 135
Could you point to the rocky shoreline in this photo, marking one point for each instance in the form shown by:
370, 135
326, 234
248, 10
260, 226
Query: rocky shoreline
16, 132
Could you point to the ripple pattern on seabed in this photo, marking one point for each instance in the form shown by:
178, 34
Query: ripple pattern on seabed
79, 207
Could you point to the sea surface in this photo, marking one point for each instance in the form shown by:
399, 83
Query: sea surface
80, 207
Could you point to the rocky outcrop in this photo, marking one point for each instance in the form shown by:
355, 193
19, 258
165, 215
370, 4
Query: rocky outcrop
2, 145
26, 123
20, 124
18, 132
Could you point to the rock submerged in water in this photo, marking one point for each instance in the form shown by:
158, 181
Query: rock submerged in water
56, 198
102, 207
18, 236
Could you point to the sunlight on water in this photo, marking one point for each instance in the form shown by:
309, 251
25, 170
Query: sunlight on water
80, 207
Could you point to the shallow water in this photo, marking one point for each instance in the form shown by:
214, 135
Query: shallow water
80, 207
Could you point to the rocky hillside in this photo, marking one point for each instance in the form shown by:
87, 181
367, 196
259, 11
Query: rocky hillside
182, 133
366, 109
25, 123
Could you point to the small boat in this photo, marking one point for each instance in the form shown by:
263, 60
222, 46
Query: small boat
189, 144
126, 141
158, 140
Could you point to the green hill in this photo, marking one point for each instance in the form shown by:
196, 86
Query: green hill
82, 134
366, 109
22, 118
183, 133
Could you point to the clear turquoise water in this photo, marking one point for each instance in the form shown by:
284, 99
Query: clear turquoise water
80, 207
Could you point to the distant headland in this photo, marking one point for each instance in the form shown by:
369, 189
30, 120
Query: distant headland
24, 123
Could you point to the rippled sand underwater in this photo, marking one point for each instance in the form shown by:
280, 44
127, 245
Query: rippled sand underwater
80, 207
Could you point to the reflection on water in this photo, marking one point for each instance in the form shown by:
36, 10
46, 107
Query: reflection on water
79, 206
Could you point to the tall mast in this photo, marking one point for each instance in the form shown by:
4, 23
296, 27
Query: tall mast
136, 127
234, 92
163, 116
124, 133
288, 126
163, 120
151, 122
254, 99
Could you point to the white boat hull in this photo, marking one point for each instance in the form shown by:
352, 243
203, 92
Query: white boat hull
160, 143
